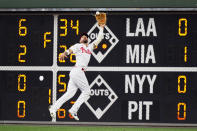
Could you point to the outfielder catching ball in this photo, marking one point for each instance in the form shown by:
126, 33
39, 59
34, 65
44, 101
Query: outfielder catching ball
78, 80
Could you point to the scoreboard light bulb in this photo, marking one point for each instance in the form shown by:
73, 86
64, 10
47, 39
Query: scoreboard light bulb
104, 46
41, 78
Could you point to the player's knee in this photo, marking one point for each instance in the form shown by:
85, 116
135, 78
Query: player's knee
71, 95
87, 92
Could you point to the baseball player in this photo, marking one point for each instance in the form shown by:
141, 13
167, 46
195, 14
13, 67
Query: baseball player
78, 79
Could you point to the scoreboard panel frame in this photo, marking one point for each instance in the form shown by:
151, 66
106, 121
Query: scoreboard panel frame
55, 68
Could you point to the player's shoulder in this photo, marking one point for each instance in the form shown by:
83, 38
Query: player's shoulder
78, 44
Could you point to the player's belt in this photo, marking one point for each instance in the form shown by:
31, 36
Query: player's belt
83, 69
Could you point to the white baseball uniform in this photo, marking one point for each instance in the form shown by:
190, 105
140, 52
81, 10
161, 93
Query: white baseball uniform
77, 75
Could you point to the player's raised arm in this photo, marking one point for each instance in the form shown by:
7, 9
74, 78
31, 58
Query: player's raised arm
99, 37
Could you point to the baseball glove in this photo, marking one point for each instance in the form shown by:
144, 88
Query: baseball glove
101, 17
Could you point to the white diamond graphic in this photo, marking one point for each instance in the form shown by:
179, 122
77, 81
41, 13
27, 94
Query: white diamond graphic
113, 41
112, 97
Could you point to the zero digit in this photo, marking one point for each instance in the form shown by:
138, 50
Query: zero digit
179, 84
18, 109
179, 106
20, 76
59, 113
180, 24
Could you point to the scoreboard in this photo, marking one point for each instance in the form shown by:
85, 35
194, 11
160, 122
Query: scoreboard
143, 71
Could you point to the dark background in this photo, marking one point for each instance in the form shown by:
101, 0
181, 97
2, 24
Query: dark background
165, 98
168, 45
36, 54
36, 95
169, 52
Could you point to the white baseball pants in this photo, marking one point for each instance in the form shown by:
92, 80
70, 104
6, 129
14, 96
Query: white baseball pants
77, 81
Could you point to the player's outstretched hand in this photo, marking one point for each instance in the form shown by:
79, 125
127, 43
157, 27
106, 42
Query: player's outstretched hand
62, 56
